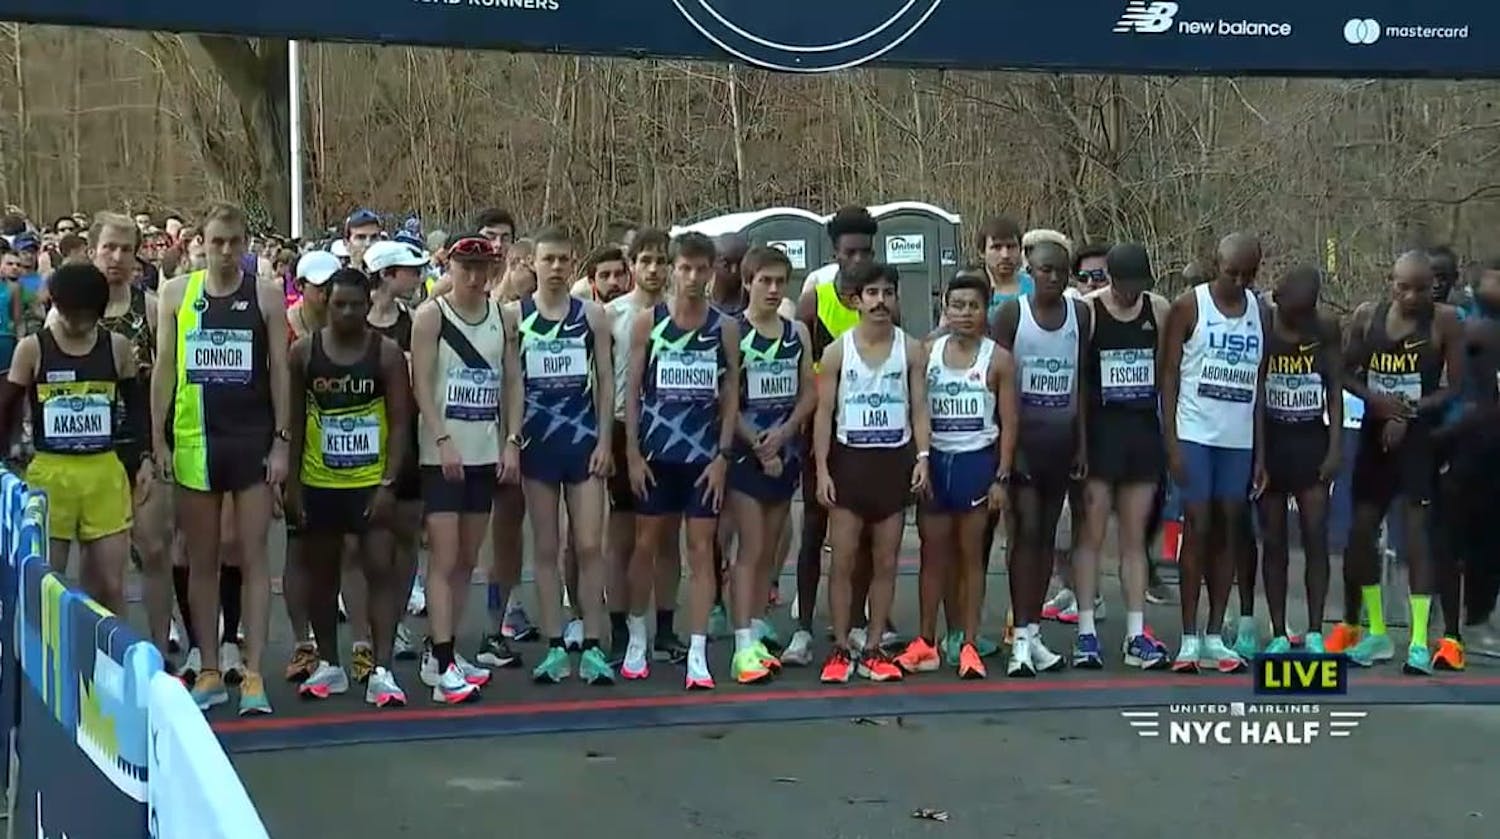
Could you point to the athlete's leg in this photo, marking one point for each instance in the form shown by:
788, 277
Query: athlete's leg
702, 583
1134, 505
507, 561
971, 529
322, 578
1312, 512
618, 545
935, 580
747, 576
407, 534
777, 517
102, 575
442, 564
1247, 560
845, 532
885, 546
1273, 534
150, 534
542, 502
253, 519
810, 556
586, 504
472, 529
1228, 515
1088, 543
376, 552
198, 519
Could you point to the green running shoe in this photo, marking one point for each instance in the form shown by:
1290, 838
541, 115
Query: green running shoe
950, 646
1418, 661
1246, 645
984, 646
1278, 646
593, 667
749, 666
554, 668
1313, 642
1371, 650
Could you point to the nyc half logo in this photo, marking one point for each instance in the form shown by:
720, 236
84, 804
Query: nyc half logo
779, 34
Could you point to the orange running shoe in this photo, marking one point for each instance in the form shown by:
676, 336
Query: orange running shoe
970, 665
304, 662
1343, 637
919, 657
838, 667
876, 666
1449, 655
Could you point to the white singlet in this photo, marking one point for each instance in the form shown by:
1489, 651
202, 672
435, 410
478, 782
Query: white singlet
622, 312
468, 393
1220, 375
962, 404
873, 409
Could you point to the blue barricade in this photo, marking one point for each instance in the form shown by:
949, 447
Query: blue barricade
76, 691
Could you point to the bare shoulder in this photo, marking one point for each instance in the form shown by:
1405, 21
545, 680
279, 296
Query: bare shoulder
170, 291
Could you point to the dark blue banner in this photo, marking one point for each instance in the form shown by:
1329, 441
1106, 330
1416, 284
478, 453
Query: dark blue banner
1278, 37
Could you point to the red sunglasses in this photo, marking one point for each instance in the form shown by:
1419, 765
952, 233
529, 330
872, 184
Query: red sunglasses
472, 247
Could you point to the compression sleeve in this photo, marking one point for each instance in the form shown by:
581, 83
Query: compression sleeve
133, 436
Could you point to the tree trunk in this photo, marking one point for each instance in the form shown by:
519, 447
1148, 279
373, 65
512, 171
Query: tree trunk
255, 71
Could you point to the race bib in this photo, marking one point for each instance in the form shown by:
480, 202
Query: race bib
1295, 397
956, 408
473, 394
1407, 386
1127, 375
351, 441
874, 419
219, 356
1227, 382
772, 382
557, 364
1354, 411
687, 375
1046, 382
79, 422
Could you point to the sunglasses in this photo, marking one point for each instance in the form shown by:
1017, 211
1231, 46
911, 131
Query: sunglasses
1097, 275
473, 247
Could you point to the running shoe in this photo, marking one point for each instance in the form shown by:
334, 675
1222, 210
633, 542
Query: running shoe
209, 690
1160, 594
1343, 638
382, 690
1312, 642
594, 669
1043, 659
949, 647
495, 651
1484, 640
1220, 656
253, 699
986, 646
697, 676
362, 662
768, 658
857, 638
838, 667
573, 635
452, 688
343, 610
1280, 645
877, 666
669, 648
1145, 653
718, 622
416, 603
554, 668
635, 665
1086, 652
1188, 655
230, 662
517, 626
191, 664
1371, 650
174, 637
428, 670
304, 661
1062, 601
476, 676
1020, 665
919, 657
405, 647
619, 642
798, 652
326, 681
1449, 655
765, 633
1246, 644
748, 668
970, 663
1418, 660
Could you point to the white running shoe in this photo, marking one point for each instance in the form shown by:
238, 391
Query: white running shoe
452, 688
857, 638
404, 646
573, 635
191, 664
326, 681
343, 611
798, 652
382, 689
174, 636
476, 676
416, 603
1020, 665
428, 670
635, 665
230, 663
1059, 603
1043, 659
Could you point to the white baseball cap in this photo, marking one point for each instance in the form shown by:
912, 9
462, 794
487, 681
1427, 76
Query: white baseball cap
317, 266
339, 248
389, 254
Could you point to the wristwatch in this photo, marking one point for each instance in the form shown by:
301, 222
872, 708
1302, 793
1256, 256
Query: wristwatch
283, 435
923, 454
515, 440
1003, 479
387, 483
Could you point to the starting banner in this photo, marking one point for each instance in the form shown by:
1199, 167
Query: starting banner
1361, 38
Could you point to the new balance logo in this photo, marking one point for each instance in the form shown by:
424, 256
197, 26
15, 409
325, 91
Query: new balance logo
1147, 17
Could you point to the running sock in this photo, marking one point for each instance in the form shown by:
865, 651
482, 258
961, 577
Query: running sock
1374, 608
230, 584
697, 659
1034, 631
1421, 608
1135, 624
665, 623
617, 625
744, 639
443, 652
180, 588
1086, 622
635, 626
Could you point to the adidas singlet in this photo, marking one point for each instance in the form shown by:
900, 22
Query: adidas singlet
467, 385
347, 429
74, 398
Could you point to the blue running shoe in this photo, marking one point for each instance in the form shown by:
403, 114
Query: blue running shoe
1312, 642
1279, 645
1418, 660
1144, 653
1371, 650
1086, 652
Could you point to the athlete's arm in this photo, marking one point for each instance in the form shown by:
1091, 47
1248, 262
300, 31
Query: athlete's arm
640, 336
1080, 386
604, 371
514, 385
807, 385
1006, 321
131, 442
1181, 316
164, 374
1333, 385
152, 317
582, 289
807, 308
916, 384
1258, 416
1355, 354
729, 385
297, 356
273, 312
425, 325
828, 391
1450, 333
1007, 406
13, 391
398, 407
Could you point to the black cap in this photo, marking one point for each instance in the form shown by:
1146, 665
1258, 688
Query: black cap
1129, 261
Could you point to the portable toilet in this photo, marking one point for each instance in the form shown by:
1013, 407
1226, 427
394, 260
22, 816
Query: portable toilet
797, 232
921, 240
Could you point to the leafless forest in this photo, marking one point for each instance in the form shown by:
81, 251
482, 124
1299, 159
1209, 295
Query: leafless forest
1335, 172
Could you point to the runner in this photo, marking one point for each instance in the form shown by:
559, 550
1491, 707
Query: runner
1125, 453
776, 397
970, 384
1047, 333
309, 313
1398, 352
727, 293
396, 271
362, 229
458, 364
356, 390
681, 406
219, 414
1303, 419
1211, 368
563, 347
88, 419
882, 411
650, 266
